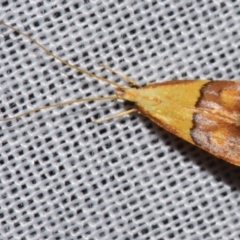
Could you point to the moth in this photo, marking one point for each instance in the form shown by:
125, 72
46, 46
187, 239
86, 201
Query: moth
205, 113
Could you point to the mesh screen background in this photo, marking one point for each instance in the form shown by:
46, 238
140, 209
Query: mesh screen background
64, 177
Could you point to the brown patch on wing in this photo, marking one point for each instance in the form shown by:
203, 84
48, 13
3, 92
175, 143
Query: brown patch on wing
216, 122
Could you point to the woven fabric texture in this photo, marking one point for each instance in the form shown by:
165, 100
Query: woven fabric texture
63, 177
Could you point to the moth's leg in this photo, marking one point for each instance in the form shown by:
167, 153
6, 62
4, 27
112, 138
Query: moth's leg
120, 114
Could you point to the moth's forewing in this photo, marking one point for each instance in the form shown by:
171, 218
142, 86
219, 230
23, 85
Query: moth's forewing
202, 112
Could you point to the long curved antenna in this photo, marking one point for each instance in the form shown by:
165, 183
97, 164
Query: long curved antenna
63, 61
124, 76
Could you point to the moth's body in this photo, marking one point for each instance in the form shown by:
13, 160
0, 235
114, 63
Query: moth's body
203, 112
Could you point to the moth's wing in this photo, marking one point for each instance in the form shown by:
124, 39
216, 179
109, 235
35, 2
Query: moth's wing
219, 137
169, 104
209, 119
216, 125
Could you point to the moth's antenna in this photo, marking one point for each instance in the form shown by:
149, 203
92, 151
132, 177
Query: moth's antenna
125, 77
63, 61
119, 87
61, 104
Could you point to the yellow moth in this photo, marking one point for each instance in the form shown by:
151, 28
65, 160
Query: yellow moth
205, 113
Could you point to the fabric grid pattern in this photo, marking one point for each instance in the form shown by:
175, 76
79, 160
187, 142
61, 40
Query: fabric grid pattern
63, 176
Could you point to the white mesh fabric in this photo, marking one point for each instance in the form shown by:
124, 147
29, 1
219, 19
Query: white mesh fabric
64, 177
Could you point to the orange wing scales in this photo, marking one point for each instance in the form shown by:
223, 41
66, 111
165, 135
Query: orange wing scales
216, 127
